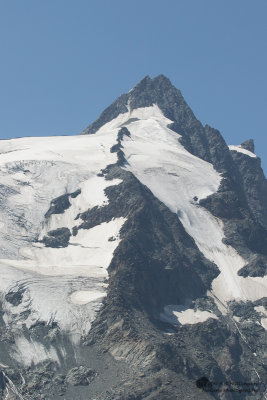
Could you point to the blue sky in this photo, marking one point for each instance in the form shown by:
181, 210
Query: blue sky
64, 61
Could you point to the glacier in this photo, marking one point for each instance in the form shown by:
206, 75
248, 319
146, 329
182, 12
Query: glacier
56, 283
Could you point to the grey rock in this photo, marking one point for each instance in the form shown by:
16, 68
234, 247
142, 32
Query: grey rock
254, 185
61, 203
256, 267
80, 376
57, 238
248, 145
14, 298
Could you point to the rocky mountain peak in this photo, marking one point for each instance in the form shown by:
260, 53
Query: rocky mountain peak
160, 91
148, 90
133, 261
204, 142
145, 93
248, 145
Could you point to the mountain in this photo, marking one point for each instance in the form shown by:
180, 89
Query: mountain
133, 259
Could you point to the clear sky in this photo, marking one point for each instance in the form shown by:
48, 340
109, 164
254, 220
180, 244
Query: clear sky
63, 61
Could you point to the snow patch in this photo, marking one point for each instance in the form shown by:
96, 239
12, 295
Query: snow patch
264, 323
240, 149
261, 309
177, 315
85, 296
263, 312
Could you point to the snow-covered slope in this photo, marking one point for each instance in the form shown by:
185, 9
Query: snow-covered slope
65, 285
179, 180
36, 170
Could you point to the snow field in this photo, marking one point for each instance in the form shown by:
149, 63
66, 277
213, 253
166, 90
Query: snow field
92, 194
62, 285
89, 253
175, 177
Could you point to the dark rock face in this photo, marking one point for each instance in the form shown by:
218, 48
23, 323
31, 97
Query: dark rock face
145, 273
248, 145
57, 238
61, 203
254, 184
117, 148
115, 109
14, 298
256, 267
219, 154
155, 248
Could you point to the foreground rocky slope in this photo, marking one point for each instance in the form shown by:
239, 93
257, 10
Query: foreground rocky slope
139, 269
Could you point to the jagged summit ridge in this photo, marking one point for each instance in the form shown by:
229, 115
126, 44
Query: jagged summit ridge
147, 92
248, 145
160, 91
204, 142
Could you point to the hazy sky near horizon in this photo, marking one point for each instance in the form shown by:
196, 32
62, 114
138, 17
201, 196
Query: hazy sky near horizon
64, 61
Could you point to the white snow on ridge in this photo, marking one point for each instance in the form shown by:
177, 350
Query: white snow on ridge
240, 149
175, 177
